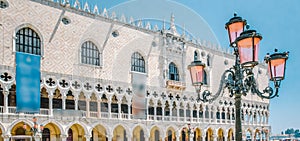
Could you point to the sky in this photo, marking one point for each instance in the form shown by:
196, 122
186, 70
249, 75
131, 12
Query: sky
278, 22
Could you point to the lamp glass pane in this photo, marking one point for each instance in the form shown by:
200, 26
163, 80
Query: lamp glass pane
276, 69
196, 74
234, 30
248, 53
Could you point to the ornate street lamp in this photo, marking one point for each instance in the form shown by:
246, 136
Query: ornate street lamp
36, 128
239, 79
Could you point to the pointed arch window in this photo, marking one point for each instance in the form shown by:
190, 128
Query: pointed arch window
28, 41
90, 54
195, 56
137, 62
173, 72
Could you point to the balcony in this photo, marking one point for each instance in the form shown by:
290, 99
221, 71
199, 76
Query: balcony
177, 85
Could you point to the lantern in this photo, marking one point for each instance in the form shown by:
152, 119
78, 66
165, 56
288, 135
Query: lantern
276, 65
235, 26
248, 46
196, 69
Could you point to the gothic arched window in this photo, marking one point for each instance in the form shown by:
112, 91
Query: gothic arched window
173, 72
28, 41
137, 62
90, 54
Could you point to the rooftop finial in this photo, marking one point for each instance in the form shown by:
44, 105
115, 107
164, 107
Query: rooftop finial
275, 49
172, 24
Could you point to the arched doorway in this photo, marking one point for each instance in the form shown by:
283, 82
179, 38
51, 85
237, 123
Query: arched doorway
51, 132
184, 134
209, 135
46, 135
119, 134
221, 135
138, 134
76, 133
155, 134
197, 135
70, 135
19, 134
170, 134
230, 136
99, 133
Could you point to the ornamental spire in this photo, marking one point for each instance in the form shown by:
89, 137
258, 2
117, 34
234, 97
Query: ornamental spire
172, 25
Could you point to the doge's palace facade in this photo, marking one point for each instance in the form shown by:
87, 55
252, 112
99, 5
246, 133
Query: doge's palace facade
88, 60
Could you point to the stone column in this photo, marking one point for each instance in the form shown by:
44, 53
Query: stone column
171, 112
87, 102
5, 94
6, 137
178, 136
155, 111
184, 113
109, 137
203, 136
63, 137
191, 115
129, 109
99, 108
37, 137
146, 138
50, 104
109, 108
225, 116
119, 109
76, 101
191, 136
198, 109
215, 137
163, 112
64, 102
87, 137
177, 110
203, 115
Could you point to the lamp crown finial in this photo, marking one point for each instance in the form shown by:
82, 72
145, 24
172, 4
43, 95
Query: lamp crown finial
247, 26
276, 50
234, 14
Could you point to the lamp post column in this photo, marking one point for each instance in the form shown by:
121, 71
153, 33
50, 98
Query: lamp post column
238, 124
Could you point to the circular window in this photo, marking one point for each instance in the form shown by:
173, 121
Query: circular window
66, 20
3, 4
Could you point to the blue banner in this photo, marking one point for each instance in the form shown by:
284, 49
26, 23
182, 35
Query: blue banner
28, 82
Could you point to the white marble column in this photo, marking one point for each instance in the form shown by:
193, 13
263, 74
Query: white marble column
109, 108
163, 111
50, 97
5, 96
5, 137
63, 137
99, 108
129, 110
171, 110
198, 120
203, 115
177, 110
119, 109
155, 111
76, 101
64, 102
87, 102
